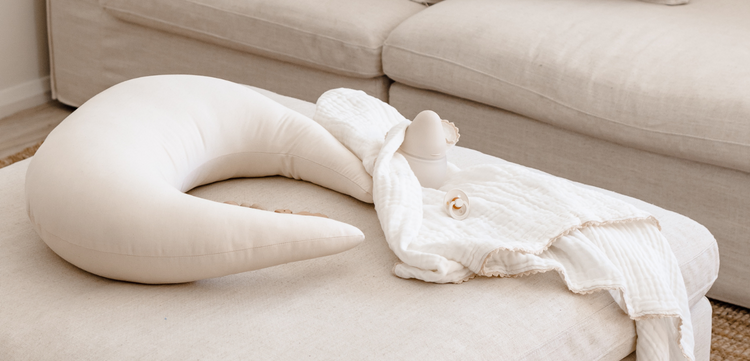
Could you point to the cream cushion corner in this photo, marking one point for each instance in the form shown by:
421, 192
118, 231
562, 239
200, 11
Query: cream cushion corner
106, 191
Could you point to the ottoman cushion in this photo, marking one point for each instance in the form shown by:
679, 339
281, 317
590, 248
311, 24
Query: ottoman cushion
347, 306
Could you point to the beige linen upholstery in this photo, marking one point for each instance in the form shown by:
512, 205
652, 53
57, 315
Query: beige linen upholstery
343, 37
713, 196
669, 80
346, 306
104, 191
92, 50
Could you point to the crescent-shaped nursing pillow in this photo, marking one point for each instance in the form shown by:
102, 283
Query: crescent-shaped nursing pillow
106, 189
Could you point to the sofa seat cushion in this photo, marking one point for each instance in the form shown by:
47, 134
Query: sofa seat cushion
348, 305
344, 37
670, 80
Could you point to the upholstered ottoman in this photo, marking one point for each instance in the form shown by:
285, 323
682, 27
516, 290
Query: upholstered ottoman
344, 306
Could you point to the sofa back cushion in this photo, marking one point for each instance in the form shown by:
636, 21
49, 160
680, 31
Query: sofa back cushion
340, 36
669, 80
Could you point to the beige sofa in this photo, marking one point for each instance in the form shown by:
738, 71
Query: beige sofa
647, 100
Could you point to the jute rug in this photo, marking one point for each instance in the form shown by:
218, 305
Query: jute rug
730, 334
26, 153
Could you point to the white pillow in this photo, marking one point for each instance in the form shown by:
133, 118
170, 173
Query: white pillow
106, 189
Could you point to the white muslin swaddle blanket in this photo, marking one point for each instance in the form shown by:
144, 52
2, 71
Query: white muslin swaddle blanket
521, 222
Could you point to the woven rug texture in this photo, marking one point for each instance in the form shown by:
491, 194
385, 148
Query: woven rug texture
26, 153
730, 332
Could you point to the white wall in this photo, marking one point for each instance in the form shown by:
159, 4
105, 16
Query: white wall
24, 58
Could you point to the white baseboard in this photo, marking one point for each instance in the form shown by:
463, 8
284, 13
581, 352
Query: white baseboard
24, 96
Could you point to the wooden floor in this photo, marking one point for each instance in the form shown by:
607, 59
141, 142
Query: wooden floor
27, 127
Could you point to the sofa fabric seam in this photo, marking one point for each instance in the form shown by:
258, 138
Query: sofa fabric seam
703, 290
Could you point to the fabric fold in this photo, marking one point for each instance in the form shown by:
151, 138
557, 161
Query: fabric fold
522, 222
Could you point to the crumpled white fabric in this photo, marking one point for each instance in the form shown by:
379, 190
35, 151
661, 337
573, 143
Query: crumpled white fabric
521, 222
